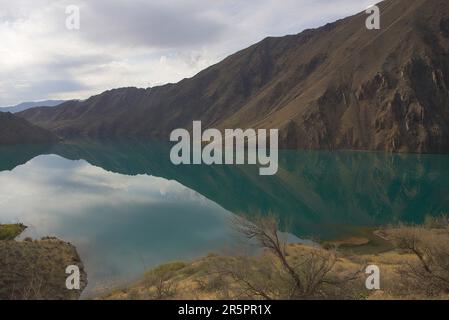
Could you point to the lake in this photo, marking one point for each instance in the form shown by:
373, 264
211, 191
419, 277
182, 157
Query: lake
127, 208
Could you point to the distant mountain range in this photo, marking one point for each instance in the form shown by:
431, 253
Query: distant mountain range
28, 105
340, 86
15, 130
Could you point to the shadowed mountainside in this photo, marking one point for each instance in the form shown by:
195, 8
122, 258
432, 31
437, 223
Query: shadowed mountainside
15, 130
340, 86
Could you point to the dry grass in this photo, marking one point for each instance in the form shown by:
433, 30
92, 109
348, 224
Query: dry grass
260, 277
209, 278
35, 269
11, 231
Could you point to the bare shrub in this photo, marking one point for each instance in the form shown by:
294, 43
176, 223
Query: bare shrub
429, 274
159, 283
275, 275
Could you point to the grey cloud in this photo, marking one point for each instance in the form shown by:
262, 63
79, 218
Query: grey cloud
152, 24
137, 42
40, 88
63, 62
48, 87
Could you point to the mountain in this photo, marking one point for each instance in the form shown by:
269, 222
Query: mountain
28, 105
15, 130
340, 86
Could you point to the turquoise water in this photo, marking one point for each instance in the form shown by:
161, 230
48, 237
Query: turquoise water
127, 208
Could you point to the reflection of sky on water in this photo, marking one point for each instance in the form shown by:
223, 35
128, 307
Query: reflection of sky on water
120, 224
123, 224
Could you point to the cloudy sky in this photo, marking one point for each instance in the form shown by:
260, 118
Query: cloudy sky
139, 43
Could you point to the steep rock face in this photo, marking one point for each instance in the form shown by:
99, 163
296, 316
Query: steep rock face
340, 86
14, 130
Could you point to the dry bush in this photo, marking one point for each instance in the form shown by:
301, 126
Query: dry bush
275, 275
212, 283
29, 289
429, 274
159, 283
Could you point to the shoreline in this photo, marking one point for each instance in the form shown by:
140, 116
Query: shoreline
200, 279
195, 279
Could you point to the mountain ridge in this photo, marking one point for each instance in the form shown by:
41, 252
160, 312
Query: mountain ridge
339, 86
31, 104
15, 130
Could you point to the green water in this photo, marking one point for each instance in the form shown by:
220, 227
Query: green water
127, 208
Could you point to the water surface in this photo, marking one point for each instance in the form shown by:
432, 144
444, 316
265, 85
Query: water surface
127, 208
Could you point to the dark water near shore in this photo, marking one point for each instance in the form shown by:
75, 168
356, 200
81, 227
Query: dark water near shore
127, 208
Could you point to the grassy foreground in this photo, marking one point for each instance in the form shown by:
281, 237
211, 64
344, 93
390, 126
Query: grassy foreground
414, 264
35, 269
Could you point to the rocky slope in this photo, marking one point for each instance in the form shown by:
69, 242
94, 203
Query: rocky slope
340, 86
15, 130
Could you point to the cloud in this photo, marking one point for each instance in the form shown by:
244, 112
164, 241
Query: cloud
136, 42
49, 87
154, 24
